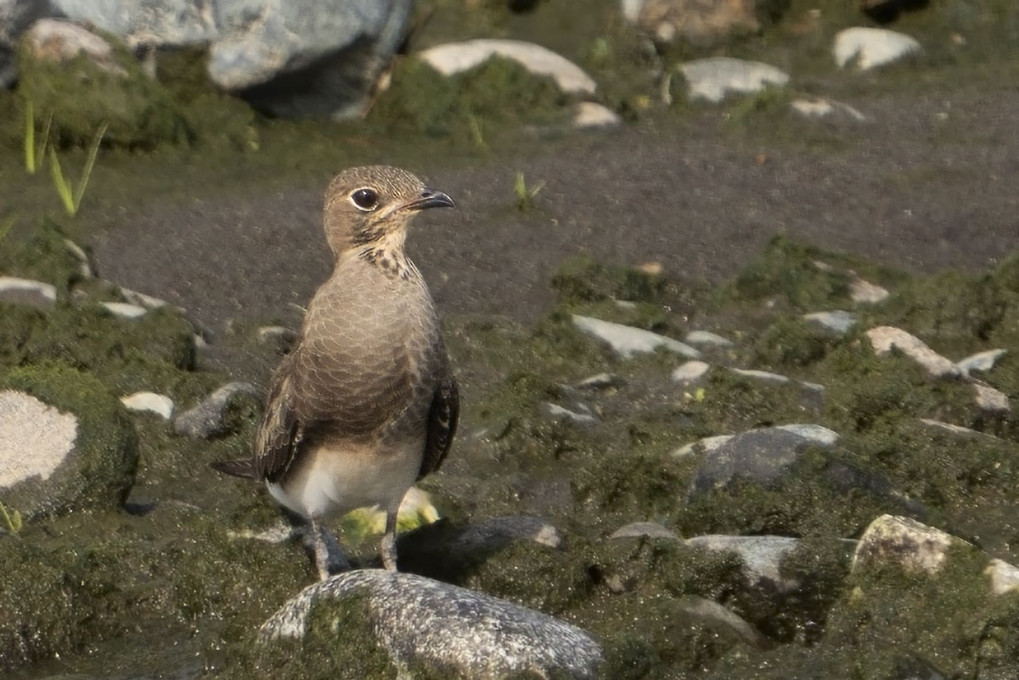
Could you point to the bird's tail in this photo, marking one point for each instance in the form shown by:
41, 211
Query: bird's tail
238, 468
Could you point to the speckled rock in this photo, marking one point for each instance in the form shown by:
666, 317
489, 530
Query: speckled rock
431, 625
886, 338
65, 443
901, 540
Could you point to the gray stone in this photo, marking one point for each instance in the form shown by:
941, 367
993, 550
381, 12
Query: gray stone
820, 107
628, 341
26, 291
714, 78
760, 456
990, 399
582, 415
643, 529
690, 372
207, 419
424, 623
885, 338
707, 338
868, 48
713, 615
839, 320
761, 555
453, 58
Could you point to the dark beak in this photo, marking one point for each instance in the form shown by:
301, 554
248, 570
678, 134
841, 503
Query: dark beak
430, 199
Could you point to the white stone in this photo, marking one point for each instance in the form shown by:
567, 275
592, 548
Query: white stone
713, 78
61, 41
627, 340
865, 292
824, 108
871, 47
981, 361
149, 401
12, 288
630, 9
453, 58
706, 445
35, 438
690, 371
643, 529
815, 433
990, 399
763, 376
954, 429
557, 411
590, 114
125, 309
141, 299
707, 338
1004, 576
884, 338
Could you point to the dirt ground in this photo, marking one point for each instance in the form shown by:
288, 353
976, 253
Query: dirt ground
928, 182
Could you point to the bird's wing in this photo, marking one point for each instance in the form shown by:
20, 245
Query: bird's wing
281, 430
442, 419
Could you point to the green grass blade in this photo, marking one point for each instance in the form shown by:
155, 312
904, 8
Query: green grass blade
63, 189
40, 152
90, 162
29, 137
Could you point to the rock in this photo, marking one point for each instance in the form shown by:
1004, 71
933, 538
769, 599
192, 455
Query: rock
763, 376
15, 17
839, 321
592, 115
712, 79
954, 429
700, 22
713, 615
85, 263
705, 445
141, 299
165, 23
279, 338
890, 539
871, 47
761, 455
601, 381
628, 341
149, 401
643, 529
991, 399
65, 443
433, 626
582, 415
690, 372
124, 310
885, 338
707, 338
453, 58
25, 291
761, 555
60, 42
981, 361
819, 107
208, 419
866, 293
1004, 576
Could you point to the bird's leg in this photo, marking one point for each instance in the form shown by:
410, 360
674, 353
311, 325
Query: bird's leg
325, 551
388, 544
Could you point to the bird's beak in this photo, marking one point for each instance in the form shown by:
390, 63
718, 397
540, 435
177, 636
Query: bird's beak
430, 199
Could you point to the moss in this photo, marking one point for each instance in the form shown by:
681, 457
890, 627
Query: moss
41, 254
106, 447
792, 343
137, 109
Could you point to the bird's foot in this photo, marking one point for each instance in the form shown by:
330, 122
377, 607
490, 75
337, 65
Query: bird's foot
387, 547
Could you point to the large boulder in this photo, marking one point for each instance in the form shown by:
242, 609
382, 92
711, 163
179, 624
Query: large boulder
288, 59
65, 443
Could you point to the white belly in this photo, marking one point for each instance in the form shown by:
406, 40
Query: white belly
337, 480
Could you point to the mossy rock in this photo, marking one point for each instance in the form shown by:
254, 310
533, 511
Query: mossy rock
497, 94
81, 97
100, 468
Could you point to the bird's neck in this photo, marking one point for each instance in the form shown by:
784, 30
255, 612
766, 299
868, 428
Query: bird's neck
387, 254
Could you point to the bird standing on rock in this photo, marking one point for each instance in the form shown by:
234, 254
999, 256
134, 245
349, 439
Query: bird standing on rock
365, 404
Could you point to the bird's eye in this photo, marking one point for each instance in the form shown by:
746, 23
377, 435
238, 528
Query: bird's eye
365, 199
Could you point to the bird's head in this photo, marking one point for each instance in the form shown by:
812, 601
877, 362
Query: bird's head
373, 205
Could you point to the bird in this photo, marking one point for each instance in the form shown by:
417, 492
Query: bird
366, 402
